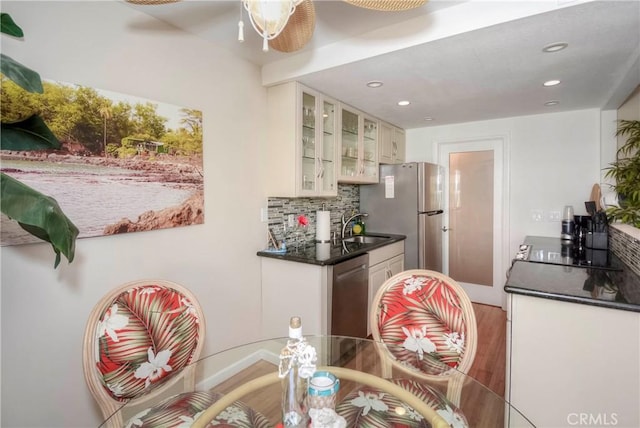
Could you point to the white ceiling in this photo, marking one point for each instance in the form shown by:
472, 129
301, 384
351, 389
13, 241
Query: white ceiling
456, 61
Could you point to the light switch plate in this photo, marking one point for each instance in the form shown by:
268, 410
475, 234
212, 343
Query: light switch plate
264, 215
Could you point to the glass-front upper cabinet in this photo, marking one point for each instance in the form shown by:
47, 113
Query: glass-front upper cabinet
358, 146
308, 173
350, 145
328, 151
370, 149
318, 172
301, 155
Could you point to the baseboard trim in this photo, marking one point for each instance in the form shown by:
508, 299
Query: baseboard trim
242, 364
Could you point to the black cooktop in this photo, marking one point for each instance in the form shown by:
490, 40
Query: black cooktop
558, 252
548, 268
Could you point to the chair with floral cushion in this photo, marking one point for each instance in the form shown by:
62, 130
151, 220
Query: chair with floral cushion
139, 341
369, 406
424, 326
427, 327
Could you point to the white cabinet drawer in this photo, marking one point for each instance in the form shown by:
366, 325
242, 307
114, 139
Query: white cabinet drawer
384, 253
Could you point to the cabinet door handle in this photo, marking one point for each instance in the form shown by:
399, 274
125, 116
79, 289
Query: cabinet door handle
388, 273
320, 167
395, 149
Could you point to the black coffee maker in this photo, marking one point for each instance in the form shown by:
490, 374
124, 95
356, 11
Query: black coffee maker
582, 225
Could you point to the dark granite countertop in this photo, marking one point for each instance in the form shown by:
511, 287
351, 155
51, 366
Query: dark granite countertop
330, 254
615, 286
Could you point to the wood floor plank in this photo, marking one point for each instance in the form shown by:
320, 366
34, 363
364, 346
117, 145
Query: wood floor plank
490, 362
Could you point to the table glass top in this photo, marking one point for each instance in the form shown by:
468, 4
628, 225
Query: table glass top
224, 372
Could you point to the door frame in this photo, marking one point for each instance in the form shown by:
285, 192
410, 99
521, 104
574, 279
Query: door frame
500, 145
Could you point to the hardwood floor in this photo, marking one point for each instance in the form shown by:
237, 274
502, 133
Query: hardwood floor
490, 362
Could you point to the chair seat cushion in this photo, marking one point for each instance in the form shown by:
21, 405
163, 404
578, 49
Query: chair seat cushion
146, 333
371, 407
422, 321
183, 409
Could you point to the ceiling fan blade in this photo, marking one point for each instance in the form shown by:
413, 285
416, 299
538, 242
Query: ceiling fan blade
387, 5
151, 2
298, 30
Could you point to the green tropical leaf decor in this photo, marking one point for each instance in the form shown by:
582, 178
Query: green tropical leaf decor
626, 173
29, 134
24, 77
38, 214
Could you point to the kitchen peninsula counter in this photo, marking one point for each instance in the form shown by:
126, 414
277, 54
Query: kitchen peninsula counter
613, 285
609, 288
329, 253
576, 329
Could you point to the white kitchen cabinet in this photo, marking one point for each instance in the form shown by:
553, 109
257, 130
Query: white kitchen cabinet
400, 144
358, 147
294, 289
392, 144
384, 262
572, 364
301, 155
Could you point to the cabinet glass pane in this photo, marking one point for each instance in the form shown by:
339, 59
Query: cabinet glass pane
349, 143
370, 147
328, 147
370, 140
308, 170
308, 174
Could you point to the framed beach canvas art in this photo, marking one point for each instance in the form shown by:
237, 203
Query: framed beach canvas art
126, 164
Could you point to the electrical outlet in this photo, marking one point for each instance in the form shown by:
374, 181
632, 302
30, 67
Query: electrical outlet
264, 215
536, 215
290, 220
554, 215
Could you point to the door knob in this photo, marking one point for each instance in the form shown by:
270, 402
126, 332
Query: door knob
444, 228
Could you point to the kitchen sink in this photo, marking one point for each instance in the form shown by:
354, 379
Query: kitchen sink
365, 239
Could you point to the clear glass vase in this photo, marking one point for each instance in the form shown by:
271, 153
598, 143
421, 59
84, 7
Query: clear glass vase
300, 237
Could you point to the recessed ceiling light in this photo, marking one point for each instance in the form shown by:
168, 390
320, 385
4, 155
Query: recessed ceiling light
553, 82
374, 84
554, 47
428, 118
404, 103
552, 103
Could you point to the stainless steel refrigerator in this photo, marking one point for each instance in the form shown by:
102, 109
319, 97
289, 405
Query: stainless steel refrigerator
408, 201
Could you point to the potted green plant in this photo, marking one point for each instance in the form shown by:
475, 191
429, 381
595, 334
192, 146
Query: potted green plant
38, 214
626, 173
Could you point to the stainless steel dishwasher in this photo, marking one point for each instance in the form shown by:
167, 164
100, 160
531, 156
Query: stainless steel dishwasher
350, 297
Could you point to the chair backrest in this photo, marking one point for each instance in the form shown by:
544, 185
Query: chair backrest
138, 339
426, 321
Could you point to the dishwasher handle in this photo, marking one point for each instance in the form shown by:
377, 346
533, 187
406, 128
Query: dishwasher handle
352, 271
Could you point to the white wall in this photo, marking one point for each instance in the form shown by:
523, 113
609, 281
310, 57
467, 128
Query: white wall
109, 45
554, 161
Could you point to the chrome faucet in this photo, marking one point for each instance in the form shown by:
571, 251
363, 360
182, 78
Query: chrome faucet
346, 222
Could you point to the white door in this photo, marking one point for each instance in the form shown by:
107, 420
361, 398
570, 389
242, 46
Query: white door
475, 228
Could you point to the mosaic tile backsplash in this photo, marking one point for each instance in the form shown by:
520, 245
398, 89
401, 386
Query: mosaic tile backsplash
348, 200
626, 247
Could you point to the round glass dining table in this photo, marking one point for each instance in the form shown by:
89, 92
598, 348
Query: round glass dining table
249, 374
